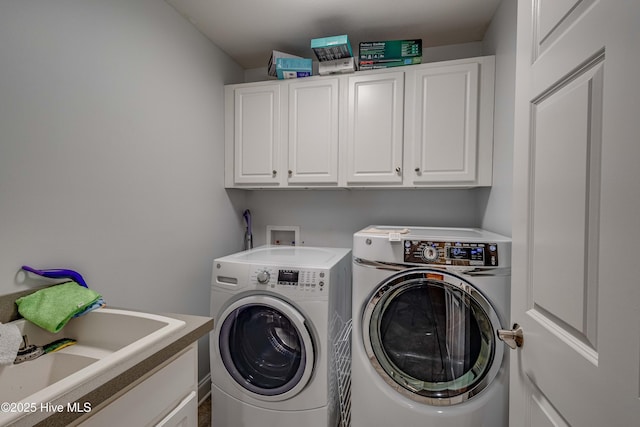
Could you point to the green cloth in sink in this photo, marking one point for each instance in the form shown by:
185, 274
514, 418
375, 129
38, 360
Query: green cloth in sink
51, 308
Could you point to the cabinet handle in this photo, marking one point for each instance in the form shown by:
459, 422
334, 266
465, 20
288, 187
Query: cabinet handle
417, 170
290, 172
274, 172
398, 170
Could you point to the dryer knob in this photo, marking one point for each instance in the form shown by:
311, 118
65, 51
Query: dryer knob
430, 253
263, 277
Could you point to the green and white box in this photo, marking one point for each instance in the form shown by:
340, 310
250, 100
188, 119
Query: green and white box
390, 49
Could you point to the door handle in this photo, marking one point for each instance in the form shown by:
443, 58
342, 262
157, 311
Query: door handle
514, 338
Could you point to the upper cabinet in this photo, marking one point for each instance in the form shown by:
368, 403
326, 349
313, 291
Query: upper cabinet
449, 123
282, 133
312, 139
441, 124
253, 132
375, 128
428, 125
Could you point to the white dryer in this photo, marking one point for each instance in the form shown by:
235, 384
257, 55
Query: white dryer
427, 303
278, 316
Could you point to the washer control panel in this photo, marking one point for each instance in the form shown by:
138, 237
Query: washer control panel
291, 279
450, 253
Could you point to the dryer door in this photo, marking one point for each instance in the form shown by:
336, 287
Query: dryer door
432, 333
266, 347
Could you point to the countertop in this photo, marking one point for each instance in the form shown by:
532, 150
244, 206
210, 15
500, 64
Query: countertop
102, 388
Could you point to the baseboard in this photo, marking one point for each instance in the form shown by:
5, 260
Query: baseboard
204, 388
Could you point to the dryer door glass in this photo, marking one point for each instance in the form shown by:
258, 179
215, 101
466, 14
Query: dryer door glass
262, 349
433, 334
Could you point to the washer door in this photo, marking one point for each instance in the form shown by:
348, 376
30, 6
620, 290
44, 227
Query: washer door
266, 347
433, 334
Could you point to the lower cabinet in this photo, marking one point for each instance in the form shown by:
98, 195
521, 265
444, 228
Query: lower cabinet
167, 397
184, 415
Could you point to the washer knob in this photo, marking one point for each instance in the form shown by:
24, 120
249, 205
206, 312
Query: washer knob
263, 277
430, 253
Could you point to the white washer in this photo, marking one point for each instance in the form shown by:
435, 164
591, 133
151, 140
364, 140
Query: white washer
278, 315
426, 306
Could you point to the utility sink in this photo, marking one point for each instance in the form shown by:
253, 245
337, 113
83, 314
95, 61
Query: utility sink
105, 338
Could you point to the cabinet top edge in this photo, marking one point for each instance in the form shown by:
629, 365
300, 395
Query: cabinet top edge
478, 59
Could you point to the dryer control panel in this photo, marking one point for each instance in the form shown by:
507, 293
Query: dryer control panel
308, 280
451, 253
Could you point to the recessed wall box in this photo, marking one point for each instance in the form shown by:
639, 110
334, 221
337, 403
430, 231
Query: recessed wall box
286, 235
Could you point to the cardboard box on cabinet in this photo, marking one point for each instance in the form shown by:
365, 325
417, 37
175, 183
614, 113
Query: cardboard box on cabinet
390, 53
271, 67
332, 48
293, 68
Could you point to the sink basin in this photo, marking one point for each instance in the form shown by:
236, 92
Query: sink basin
105, 338
20, 381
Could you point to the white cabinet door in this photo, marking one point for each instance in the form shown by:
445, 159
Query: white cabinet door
161, 396
255, 122
313, 132
435, 120
442, 124
375, 112
183, 415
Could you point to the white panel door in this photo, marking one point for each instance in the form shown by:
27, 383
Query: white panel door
375, 128
257, 134
444, 120
313, 132
576, 234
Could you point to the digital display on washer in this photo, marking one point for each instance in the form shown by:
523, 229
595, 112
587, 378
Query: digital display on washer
288, 276
471, 254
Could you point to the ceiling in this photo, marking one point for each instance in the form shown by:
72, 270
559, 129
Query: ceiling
248, 30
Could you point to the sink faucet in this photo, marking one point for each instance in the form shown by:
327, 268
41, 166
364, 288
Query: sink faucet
27, 351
